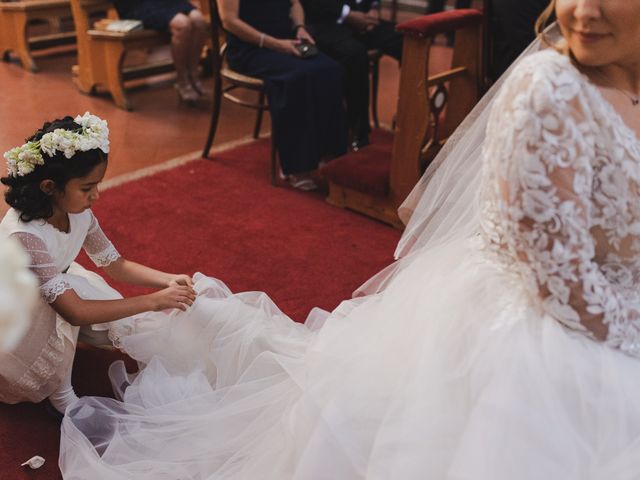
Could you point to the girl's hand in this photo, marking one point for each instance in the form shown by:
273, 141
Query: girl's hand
180, 279
303, 36
284, 46
175, 296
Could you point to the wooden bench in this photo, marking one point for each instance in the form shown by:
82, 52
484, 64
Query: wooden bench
14, 28
101, 54
376, 179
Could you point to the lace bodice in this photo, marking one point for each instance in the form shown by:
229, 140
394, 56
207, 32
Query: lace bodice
52, 251
560, 202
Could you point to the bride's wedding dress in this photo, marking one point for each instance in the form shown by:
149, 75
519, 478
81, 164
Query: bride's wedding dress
472, 361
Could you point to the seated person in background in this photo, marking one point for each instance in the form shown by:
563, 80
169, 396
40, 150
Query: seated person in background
512, 30
345, 30
188, 30
436, 6
304, 94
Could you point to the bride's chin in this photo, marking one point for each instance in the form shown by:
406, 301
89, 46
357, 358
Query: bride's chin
589, 58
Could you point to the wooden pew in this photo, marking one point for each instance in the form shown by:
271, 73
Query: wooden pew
14, 28
101, 54
376, 179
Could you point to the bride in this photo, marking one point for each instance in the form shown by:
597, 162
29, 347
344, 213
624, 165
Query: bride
503, 344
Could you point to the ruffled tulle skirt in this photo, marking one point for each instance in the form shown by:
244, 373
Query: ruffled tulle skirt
452, 372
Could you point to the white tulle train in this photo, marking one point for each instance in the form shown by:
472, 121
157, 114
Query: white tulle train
450, 373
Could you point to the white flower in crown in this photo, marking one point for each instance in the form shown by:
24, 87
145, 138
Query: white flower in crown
22, 160
96, 129
93, 134
49, 144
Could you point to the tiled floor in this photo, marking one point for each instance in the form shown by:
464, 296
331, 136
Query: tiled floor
159, 129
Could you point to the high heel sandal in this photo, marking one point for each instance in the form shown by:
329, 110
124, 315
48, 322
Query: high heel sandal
186, 93
301, 182
199, 87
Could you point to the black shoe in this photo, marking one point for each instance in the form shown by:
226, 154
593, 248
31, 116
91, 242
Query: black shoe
51, 410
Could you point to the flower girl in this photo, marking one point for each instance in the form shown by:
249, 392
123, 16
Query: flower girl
52, 182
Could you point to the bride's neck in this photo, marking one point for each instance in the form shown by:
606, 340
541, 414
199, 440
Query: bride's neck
624, 76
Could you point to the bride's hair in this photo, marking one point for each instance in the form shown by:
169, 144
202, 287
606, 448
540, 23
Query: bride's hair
24, 193
545, 19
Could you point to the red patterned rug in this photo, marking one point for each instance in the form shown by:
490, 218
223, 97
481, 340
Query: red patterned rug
224, 219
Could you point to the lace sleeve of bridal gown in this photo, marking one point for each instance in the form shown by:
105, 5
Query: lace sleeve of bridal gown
98, 246
541, 142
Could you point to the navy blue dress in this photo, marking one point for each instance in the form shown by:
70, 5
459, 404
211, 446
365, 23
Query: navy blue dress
305, 94
154, 14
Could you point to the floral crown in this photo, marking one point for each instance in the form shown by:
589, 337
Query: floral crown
93, 134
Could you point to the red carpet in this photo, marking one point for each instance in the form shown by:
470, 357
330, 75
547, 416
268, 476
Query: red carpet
222, 218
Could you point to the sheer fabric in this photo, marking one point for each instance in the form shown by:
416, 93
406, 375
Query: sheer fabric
567, 212
37, 365
458, 366
52, 283
98, 246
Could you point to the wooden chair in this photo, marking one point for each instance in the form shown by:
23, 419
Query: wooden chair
376, 179
226, 82
14, 28
101, 54
374, 74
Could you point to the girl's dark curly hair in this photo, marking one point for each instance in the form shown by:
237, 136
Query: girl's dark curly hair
24, 193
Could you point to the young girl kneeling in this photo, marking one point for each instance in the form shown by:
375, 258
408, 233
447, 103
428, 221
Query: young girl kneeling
52, 183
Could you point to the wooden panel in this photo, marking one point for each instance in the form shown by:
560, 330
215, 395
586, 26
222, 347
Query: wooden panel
101, 54
14, 35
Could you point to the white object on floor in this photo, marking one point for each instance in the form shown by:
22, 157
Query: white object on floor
34, 462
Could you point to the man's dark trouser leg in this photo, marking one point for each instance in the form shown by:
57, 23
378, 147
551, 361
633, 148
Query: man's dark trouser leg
339, 42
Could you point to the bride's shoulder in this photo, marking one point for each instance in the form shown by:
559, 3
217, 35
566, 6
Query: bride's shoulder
546, 74
546, 60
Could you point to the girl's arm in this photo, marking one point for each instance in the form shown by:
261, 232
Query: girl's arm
79, 312
229, 10
56, 291
124, 270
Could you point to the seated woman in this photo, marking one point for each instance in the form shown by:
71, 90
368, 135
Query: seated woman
304, 94
188, 30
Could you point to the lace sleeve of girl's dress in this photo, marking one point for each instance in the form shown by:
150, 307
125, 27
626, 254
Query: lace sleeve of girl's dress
97, 245
52, 283
541, 145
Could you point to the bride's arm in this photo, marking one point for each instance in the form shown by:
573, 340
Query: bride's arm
541, 145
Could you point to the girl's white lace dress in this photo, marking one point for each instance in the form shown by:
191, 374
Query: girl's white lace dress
33, 370
510, 355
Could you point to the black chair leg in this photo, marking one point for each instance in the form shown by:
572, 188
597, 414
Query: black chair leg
375, 80
394, 10
215, 116
256, 129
